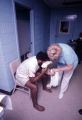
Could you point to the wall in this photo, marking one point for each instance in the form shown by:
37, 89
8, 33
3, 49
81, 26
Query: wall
7, 40
9, 48
42, 26
41, 23
75, 25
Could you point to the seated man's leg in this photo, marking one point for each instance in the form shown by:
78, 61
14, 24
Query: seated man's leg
34, 90
44, 83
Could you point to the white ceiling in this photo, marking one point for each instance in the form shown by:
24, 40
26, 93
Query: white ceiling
59, 3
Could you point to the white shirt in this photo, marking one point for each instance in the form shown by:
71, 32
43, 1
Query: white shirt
28, 68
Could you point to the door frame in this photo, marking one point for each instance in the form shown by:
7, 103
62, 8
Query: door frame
32, 48
32, 31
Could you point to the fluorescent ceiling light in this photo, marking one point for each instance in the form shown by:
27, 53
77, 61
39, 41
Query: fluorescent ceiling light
71, 17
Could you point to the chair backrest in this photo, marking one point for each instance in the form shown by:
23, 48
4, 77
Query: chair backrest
13, 67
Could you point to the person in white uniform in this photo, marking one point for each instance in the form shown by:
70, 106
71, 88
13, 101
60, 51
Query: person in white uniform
29, 72
67, 62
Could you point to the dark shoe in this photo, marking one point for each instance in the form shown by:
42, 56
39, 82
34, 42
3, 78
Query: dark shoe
80, 111
2, 105
39, 108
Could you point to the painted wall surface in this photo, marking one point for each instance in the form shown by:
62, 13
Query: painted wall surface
42, 26
75, 25
41, 23
8, 44
9, 49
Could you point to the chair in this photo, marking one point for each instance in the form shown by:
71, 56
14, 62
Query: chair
13, 67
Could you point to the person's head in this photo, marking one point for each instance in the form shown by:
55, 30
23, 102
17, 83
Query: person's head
42, 57
54, 51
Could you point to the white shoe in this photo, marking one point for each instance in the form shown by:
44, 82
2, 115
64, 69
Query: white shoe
61, 95
49, 86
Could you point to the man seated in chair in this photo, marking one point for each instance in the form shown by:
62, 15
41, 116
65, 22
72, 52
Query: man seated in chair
29, 72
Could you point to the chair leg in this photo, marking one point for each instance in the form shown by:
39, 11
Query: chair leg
24, 90
21, 89
14, 89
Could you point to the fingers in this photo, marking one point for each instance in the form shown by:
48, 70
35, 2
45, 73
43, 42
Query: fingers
44, 70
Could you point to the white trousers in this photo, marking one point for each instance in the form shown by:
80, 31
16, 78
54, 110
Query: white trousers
64, 76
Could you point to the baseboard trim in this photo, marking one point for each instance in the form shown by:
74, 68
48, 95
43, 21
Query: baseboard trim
6, 92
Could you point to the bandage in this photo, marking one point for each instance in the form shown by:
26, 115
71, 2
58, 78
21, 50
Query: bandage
45, 65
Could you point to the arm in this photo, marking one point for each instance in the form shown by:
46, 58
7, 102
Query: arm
66, 68
40, 75
50, 72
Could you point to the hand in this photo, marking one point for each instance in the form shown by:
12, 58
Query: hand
55, 70
32, 80
37, 73
44, 70
50, 72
